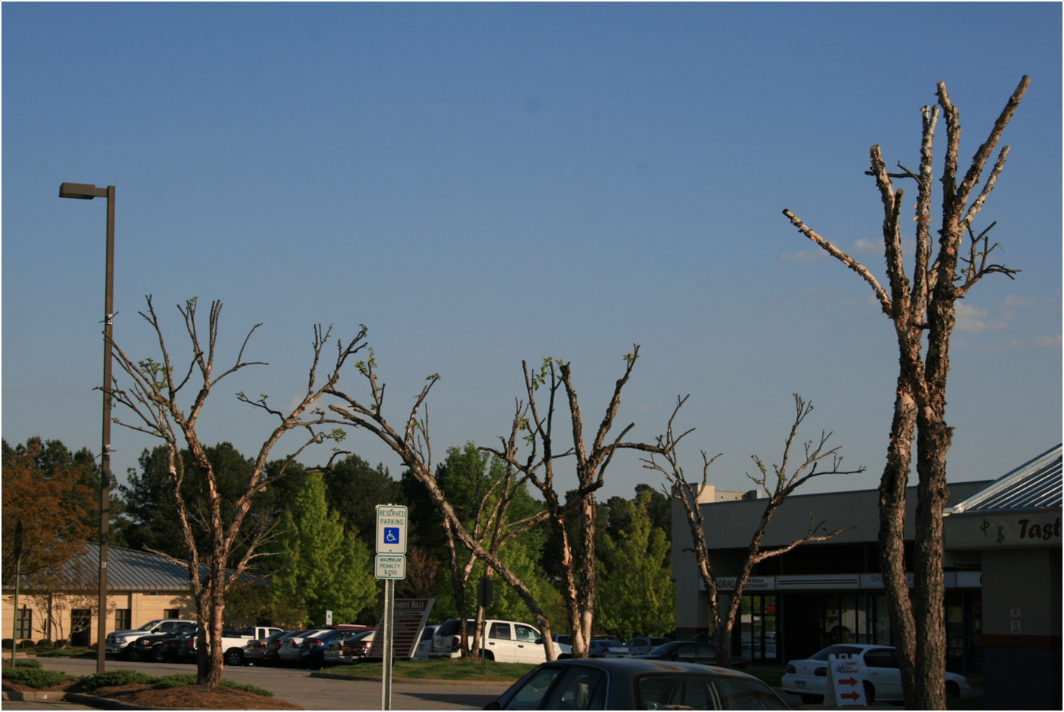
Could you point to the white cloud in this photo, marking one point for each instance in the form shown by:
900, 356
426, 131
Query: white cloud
971, 318
1014, 301
868, 245
805, 256
1041, 342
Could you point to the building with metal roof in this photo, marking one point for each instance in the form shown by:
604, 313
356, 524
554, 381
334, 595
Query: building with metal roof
1011, 529
141, 587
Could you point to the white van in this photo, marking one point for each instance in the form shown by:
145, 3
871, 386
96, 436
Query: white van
507, 641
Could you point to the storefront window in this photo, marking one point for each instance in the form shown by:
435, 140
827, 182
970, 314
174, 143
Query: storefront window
758, 627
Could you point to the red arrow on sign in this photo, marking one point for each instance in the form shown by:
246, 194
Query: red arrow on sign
848, 681
850, 696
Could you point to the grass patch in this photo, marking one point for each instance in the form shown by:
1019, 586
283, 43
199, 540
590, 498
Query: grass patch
444, 669
34, 677
118, 678
67, 653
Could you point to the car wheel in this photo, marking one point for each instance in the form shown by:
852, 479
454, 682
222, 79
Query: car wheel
812, 699
869, 693
133, 655
488, 655
953, 690
158, 655
234, 657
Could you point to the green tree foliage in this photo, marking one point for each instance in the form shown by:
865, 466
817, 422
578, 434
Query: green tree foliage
150, 519
471, 478
354, 489
324, 567
636, 594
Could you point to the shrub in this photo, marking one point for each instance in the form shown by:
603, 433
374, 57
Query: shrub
61, 643
171, 681
116, 678
34, 677
246, 688
44, 644
27, 663
6, 643
23, 644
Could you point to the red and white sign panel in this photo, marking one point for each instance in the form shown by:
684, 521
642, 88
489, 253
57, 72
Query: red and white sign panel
409, 619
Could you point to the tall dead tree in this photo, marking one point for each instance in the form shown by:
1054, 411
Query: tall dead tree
577, 559
924, 307
156, 398
777, 487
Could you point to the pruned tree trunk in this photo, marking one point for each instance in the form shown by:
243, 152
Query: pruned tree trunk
154, 400
777, 490
925, 309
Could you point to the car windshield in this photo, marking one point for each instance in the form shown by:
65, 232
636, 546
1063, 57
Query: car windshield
836, 650
703, 692
149, 625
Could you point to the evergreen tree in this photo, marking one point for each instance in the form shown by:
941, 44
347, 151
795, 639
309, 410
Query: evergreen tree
636, 595
324, 567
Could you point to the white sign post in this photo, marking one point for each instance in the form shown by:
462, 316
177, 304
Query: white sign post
390, 564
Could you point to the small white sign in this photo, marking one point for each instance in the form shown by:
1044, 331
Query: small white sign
846, 681
389, 566
391, 529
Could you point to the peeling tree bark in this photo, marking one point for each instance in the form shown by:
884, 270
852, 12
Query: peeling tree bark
153, 399
925, 308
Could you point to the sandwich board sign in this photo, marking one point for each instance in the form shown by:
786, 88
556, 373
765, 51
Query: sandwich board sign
845, 682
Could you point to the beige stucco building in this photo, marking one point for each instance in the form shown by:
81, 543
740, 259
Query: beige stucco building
141, 587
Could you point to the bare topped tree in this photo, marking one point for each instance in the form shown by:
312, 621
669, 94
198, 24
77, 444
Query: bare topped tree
154, 400
577, 559
925, 306
412, 444
777, 486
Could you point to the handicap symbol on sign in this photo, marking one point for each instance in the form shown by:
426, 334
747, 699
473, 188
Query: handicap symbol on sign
391, 535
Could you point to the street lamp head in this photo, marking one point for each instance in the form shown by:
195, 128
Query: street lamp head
82, 191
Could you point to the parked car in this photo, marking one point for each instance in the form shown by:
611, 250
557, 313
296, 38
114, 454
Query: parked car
117, 641
338, 652
168, 649
635, 684
273, 646
255, 650
507, 641
644, 644
143, 648
877, 665
690, 651
424, 643
356, 648
289, 652
312, 649
607, 648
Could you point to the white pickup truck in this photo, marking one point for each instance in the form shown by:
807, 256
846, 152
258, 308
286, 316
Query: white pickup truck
233, 643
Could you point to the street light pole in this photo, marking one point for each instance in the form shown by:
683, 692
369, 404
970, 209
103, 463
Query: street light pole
85, 191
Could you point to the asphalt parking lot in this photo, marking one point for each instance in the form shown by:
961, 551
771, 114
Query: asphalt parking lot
314, 693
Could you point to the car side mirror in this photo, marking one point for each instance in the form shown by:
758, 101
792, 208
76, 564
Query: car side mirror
539, 641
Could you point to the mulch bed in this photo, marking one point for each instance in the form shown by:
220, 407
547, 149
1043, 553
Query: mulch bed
188, 697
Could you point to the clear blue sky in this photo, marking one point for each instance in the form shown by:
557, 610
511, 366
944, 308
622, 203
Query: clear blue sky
482, 184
